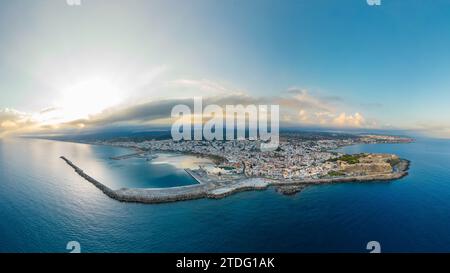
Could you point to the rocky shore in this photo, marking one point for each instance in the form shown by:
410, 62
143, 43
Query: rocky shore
210, 189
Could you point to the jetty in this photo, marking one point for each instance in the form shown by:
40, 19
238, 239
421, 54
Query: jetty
210, 188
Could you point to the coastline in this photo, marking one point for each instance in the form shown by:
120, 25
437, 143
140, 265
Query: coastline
210, 189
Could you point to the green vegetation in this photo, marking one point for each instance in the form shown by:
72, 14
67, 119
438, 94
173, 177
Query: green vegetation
336, 173
227, 168
350, 159
394, 161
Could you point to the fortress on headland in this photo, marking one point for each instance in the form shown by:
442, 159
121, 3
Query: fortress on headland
207, 189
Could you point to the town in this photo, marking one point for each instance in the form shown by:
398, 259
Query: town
296, 158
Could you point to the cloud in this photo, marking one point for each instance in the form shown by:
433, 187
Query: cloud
303, 99
136, 114
335, 120
304, 108
205, 87
297, 107
48, 110
355, 120
433, 129
13, 121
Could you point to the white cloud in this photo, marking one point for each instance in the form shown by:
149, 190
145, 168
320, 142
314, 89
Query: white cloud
205, 88
304, 108
14, 121
297, 107
344, 120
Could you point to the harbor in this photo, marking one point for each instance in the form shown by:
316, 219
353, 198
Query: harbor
208, 187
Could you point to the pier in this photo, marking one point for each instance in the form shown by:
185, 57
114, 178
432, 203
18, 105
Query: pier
208, 188
195, 176
106, 190
153, 195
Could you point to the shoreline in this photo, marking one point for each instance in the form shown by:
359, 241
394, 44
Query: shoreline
217, 190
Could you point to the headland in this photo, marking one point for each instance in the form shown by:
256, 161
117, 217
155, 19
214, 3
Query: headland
296, 165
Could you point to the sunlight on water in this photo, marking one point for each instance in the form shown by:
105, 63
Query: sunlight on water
45, 204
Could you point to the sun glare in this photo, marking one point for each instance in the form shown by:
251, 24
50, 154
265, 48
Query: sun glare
87, 98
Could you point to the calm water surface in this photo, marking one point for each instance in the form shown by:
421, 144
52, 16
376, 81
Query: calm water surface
44, 204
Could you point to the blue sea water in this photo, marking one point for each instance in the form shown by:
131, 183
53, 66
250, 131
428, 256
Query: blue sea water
44, 204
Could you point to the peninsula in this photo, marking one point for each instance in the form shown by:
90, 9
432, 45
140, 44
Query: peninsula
241, 166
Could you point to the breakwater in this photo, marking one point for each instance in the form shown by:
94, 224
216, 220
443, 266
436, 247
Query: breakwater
159, 195
210, 189
106, 190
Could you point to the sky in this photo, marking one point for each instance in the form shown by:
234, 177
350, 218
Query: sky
327, 63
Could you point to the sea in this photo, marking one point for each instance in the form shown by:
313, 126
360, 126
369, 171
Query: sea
44, 205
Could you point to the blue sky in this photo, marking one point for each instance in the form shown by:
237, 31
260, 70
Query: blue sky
389, 64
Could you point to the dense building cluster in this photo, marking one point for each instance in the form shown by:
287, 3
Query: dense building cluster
294, 159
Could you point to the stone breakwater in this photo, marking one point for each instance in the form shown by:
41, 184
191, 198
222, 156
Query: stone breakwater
215, 190
145, 195
109, 192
